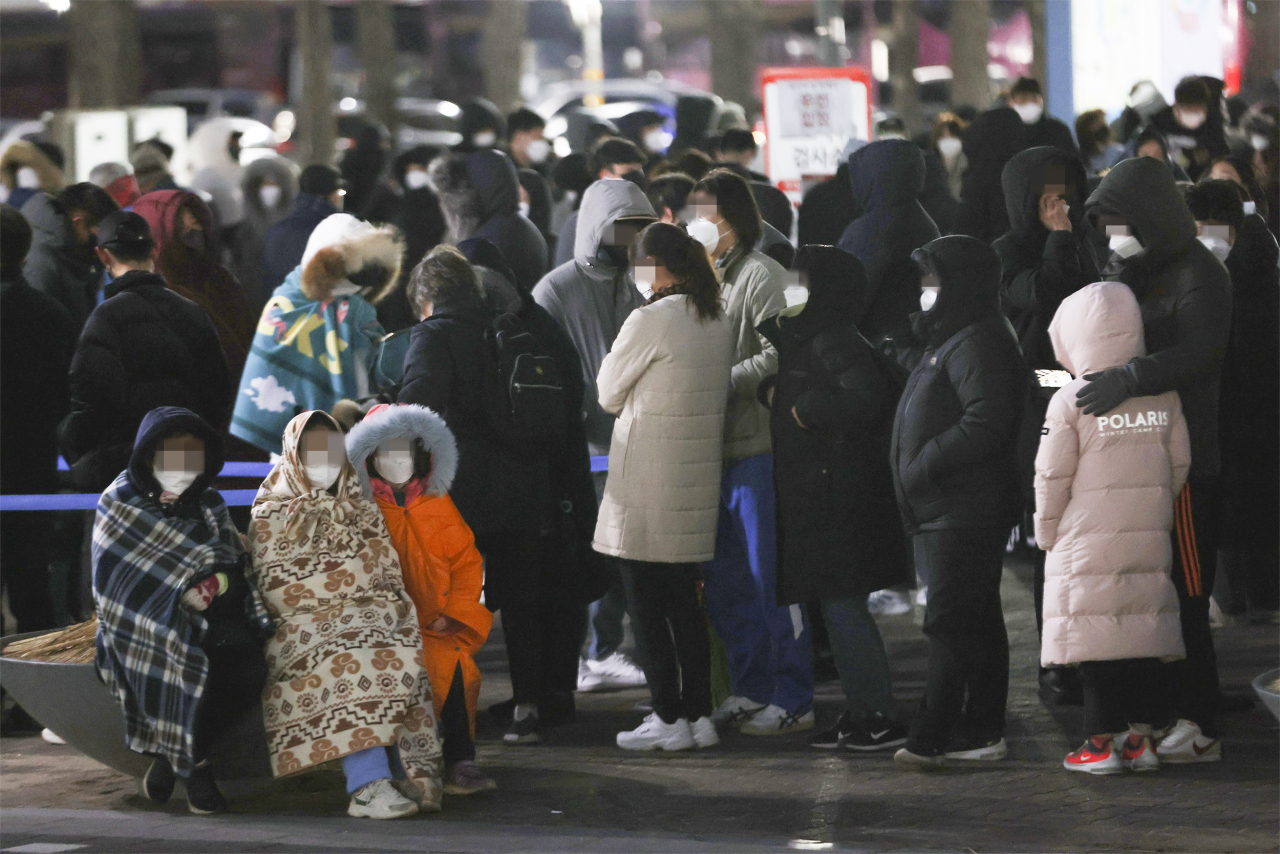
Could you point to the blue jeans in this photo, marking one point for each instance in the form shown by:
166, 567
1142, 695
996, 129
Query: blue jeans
366, 766
860, 658
768, 661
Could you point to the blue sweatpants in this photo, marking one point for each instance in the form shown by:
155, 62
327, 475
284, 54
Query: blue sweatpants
372, 763
769, 660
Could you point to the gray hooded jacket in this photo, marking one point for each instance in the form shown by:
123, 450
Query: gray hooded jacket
55, 265
590, 297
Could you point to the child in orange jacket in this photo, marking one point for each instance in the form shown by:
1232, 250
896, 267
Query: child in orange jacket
406, 458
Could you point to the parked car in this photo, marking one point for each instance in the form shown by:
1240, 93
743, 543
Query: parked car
202, 104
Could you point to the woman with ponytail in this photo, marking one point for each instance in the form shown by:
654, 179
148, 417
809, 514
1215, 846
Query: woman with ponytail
665, 379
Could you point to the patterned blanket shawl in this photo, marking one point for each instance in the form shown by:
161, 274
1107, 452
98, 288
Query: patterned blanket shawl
148, 643
345, 668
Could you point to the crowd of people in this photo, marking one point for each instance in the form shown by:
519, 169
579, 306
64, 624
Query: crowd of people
1007, 326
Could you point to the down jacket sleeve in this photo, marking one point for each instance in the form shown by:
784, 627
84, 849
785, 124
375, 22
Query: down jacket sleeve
1038, 287
97, 390
1203, 311
765, 297
428, 370
638, 345
466, 577
986, 381
1056, 462
852, 395
1179, 449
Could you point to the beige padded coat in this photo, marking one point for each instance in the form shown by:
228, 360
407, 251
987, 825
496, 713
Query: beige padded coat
665, 378
1105, 487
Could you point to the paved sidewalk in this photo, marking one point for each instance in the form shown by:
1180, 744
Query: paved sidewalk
577, 792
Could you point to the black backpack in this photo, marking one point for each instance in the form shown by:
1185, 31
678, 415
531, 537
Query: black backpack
525, 391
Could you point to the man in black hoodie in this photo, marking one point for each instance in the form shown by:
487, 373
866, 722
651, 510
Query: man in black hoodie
826, 210
955, 474
1044, 258
1185, 294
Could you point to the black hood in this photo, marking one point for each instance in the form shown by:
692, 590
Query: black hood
1142, 191
478, 115
494, 177
994, 137
968, 272
1023, 182
837, 286
164, 421
695, 115
886, 173
540, 200
419, 154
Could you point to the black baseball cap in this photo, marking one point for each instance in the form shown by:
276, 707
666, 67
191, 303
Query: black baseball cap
320, 180
124, 229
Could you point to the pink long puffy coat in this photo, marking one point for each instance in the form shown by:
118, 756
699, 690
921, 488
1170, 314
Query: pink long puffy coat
1105, 487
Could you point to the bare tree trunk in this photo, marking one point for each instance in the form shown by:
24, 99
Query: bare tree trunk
375, 28
1039, 49
904, 53
970, 29
316, 125
502, 41
733, 26
105, 54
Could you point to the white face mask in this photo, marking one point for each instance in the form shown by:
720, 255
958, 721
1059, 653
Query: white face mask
705, 232
928, 298
1219, 247
645, 277
1125, 246
657, 141
522, 208
484, 139
1029, 112
537, 151
1250, 208
949, 147
27, 178
176, 481
1259, 142
270, 195
415, 179
394, 459
1190, 120
322, 476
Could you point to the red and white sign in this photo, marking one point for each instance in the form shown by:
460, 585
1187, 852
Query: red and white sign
810, 115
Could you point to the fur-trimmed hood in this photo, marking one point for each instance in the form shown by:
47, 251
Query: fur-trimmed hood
399, 421
345, 249
473, 189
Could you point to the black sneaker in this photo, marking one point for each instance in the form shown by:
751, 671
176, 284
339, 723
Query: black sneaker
203, 797
157, 784
502, 711
874, 732
557, 709
1060, 686
834, 737
526, 731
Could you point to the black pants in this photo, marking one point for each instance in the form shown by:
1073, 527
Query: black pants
24, 546
455, 725
1192, 684
968, 677
671, 631
1120, 693
542, 623
236, 676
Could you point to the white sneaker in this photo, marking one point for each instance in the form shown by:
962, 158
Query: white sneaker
775, 720
588, 679
656, 734
51, 736
1186, 744
704, 732
735, 711
380, 799
888, 603
618, 671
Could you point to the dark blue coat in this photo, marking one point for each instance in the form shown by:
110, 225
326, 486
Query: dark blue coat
287, 239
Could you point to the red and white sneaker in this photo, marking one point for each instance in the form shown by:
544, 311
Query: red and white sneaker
1097, 756
1137, 751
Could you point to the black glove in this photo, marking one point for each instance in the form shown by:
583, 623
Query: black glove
1106, 390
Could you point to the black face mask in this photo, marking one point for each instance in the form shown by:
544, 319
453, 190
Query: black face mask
617, 256
194, 240
637, 177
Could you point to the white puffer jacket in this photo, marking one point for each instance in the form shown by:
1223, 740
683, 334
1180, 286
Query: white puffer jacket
665, 378
1105, 489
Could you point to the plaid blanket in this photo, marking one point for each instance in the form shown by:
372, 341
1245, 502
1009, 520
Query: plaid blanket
148, 643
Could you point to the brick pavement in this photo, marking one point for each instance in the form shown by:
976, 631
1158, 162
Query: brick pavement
578, 792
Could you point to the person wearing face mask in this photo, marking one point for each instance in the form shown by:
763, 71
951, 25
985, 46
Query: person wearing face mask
187, 256
954, 461
527, 141
480, 195
611, 158
180, 624
320, 194
62, 263
420, 220
1099, 151
347, 645
1193, 124
364, 166
535, 203
406, 458
269, 184
943, 171
1185, 294
1045, 257
1250, 403
1027, 100
143, 346
482, 126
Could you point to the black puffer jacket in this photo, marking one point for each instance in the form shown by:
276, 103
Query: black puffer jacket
499, 487
1039, 268
144, 346
1185, 294
989, 143
887, 177
955, 433
839, 533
